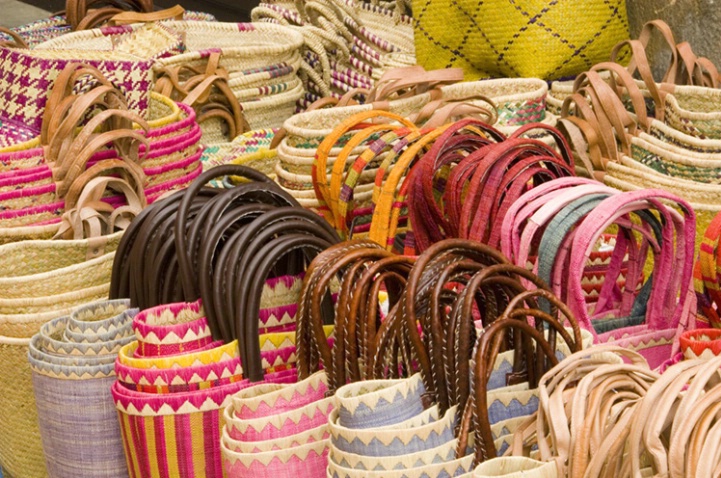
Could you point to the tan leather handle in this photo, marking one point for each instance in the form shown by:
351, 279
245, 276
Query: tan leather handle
173, 13
69, 158
672, 72
90, 217
129, 172
62, 89
412, 81
95, 18
79, 163
445, 114
207, 91
16, 42
83, 14
72, 111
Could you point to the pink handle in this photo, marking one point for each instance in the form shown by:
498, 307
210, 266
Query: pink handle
664, 311
510, 241
550, 204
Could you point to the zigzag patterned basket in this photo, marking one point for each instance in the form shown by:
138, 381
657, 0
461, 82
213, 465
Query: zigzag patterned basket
392, 441
279, 425
451, 468
72, 379
306, 460
283, 430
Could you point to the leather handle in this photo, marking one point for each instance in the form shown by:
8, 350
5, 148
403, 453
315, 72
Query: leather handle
62, 90
82, 14
173, 13
66, 173
83, 217
16, 42
187, 276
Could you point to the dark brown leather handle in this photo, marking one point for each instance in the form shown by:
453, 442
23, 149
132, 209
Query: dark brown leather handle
187, 277
308, 350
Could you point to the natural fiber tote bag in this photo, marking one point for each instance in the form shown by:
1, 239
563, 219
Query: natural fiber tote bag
77, 418
401, 439
670, 307
82, 18
26, 105
506, 39
251, 149
21, 450
251, 69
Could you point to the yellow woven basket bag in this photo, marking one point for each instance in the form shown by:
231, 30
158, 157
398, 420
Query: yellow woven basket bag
548, 39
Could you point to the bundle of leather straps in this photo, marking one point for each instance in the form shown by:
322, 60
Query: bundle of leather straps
208, 92
604, 412
460, 314
232, 248
633, 132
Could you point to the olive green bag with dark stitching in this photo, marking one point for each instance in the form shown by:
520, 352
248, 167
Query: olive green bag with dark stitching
548, 39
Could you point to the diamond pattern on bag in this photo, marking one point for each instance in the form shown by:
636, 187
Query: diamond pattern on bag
516, 38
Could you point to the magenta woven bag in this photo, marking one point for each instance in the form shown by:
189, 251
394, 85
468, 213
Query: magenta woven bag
172, 162
26, 77
179, 328
170, 425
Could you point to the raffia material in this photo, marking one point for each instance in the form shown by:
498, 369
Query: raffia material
72, 380
21, 449
263, 417
252, 54
47, 29
149, 41
36, 70
507, 39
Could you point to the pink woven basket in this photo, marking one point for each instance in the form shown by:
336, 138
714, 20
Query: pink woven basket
280, 425
274, 430
268, 399
307, 461
172, 329
173, 435
170, 403
50, 212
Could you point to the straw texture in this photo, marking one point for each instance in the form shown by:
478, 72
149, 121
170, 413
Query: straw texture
20, 449
72, 360
500, 41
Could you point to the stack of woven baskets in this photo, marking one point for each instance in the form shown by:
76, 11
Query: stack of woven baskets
73, 364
